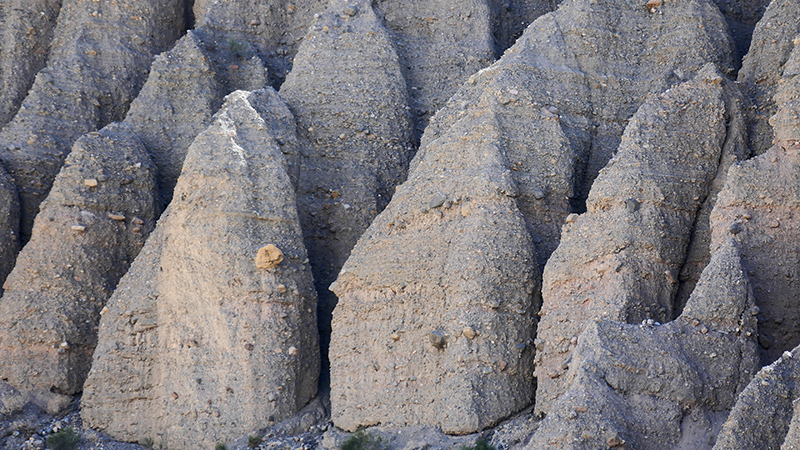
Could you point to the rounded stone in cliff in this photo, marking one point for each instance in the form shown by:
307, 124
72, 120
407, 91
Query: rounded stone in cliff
269, 257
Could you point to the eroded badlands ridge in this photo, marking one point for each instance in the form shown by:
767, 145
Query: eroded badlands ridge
597, 230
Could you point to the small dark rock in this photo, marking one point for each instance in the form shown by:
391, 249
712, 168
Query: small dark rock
438, 339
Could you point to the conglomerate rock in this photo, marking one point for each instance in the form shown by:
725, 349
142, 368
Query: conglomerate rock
98, 62
620, 260
9, 225
91, 227
349, 98
212, 333
760, 203
654, 386
27, 28
595, 63
439, 44
434, 324
763, 67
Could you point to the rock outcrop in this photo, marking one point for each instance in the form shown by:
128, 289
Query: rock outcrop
759, 204
91, 227
512, 17
435, 320
621, 259
763, 67
212, 333
98, 62
27, 29
349, 98
742, 16
440, 44
594, 70
9, 225
654, 386
764, 412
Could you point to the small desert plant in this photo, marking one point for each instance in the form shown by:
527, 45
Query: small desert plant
238, 48
147, 442
480, 444
363, 441
221, 447
65, 439
254, 441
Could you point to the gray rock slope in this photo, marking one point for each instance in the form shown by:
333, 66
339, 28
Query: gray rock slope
349, 97
596, 62
24, 46
213, 331
439, 44
92, 225
763, 67
621, 259
654, 386
98, 62
9, 225
759, 203
434, 324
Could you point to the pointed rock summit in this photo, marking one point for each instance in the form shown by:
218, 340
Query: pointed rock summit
212, 333
436, 314
620, 260
659, 387
759, 205
349, 97
92, 225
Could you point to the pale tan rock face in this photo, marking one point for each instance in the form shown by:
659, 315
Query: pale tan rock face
621, 259
654, 386
759, 204
220, 346
101, 209
348, 93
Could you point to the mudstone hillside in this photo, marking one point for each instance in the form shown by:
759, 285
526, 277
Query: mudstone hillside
546, 225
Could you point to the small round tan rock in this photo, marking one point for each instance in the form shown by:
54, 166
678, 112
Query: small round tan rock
269, 257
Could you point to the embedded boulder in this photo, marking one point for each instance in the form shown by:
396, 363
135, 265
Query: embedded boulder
91, 227
201, 343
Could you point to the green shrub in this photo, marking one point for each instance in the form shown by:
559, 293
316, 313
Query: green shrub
254, 441
480, 444
221, 447
146, 442
65, 439
363, 441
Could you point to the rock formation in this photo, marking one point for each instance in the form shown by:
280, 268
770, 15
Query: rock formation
763, 67
512, 17
742, 16
9, 225
668, 386
759, 204
765, 410
349, 97
99, 59
27, 28
91, 227
435, 318
213, 331
595, 70
440, 44
620, 260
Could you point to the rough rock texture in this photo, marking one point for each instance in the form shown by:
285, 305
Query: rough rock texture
760, 203
349, 97
9, 225
435, 320
99, 59
92, 225
742, 16
512, 17
440, 44
209, 337
763, 67
653, 386
620, 260
27, 28
596, 61
764, 411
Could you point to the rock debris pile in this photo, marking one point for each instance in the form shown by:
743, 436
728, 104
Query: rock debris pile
581, 216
